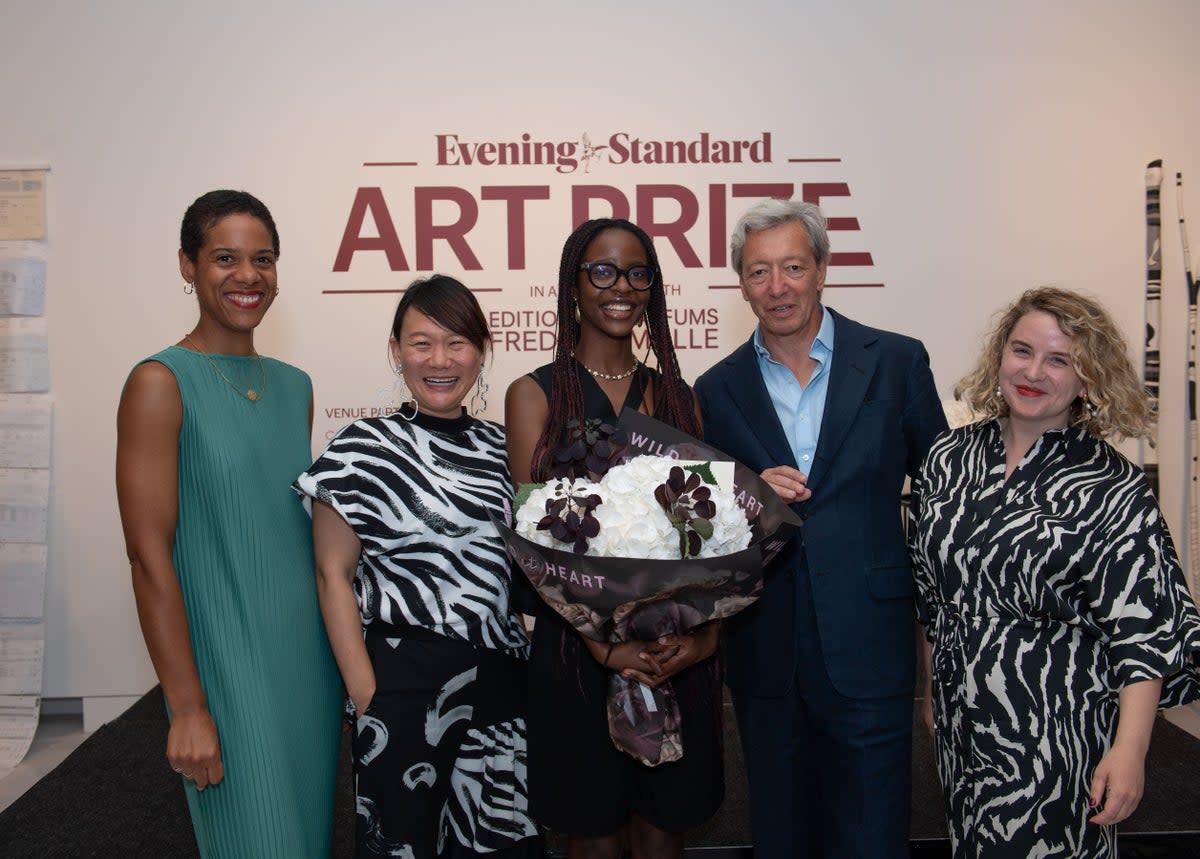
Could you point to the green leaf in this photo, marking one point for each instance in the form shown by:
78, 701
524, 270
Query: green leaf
523, 492
703, 527
704, 469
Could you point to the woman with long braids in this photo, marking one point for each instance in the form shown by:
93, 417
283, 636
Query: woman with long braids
580, 784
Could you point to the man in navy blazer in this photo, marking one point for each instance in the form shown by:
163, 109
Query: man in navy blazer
834, 415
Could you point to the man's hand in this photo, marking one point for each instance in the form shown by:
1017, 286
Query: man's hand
788, 483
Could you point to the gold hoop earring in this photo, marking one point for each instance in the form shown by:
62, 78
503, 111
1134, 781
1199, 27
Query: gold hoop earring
578, 319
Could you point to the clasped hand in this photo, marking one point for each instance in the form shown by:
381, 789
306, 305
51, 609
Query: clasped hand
654, 662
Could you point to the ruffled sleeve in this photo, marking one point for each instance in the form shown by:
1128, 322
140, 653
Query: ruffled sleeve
342, 478
1140, 600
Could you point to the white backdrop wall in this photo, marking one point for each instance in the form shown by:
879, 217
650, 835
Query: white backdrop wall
978, 149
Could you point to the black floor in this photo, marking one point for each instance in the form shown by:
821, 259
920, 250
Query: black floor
115, 796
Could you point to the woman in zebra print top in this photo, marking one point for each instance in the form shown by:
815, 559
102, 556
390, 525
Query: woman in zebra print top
414, 587
1052, 594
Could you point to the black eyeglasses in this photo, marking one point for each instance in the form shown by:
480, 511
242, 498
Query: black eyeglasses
603, 275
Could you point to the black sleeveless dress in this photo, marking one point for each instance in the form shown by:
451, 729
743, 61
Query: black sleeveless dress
579, 783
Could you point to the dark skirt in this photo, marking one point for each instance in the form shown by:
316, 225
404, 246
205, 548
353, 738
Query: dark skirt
439, 754
579, 783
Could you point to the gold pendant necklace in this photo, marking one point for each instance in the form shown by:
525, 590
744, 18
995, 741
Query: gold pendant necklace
610, 377
250, 394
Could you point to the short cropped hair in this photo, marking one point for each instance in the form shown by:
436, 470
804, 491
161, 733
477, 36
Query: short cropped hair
209, 208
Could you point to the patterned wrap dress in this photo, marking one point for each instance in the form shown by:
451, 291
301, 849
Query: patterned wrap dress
1043, 594
440, 752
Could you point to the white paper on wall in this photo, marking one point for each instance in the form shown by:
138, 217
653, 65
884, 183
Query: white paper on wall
21, 650
25, 416
18, 724
22, 278
22, 204
22, 580
24, 359
25, 430
24, 503
21, 653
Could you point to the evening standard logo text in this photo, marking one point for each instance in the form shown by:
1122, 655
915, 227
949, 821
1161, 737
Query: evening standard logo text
567, 156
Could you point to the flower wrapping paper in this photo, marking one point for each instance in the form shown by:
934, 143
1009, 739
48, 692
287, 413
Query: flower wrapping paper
636, 598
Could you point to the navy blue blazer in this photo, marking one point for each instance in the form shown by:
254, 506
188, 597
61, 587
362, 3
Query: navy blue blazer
882, 412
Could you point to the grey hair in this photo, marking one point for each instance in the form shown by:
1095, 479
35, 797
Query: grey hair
774, 213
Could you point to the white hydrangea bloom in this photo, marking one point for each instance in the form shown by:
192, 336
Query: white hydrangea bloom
731, 531
632, 524
534, 508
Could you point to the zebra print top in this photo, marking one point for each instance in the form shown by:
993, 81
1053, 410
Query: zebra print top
1073, 536
419, 495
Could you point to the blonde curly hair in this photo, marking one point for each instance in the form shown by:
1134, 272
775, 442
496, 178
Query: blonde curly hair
1119, 406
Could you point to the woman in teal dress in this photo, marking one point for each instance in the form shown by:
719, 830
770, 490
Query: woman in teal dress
209, 437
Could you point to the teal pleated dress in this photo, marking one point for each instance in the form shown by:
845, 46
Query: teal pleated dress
243, 552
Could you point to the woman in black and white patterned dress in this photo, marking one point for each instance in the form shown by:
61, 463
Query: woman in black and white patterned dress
1052, 594
414, 587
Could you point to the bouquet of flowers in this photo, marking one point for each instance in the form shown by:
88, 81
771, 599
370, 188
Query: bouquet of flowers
647, 507
650, 532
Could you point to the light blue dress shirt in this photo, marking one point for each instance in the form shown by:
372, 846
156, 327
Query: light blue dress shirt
800, 409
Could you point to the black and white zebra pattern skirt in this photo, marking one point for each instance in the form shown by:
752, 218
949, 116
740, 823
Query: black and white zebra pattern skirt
440, 754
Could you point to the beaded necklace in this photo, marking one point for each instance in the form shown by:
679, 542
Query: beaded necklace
610, 377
